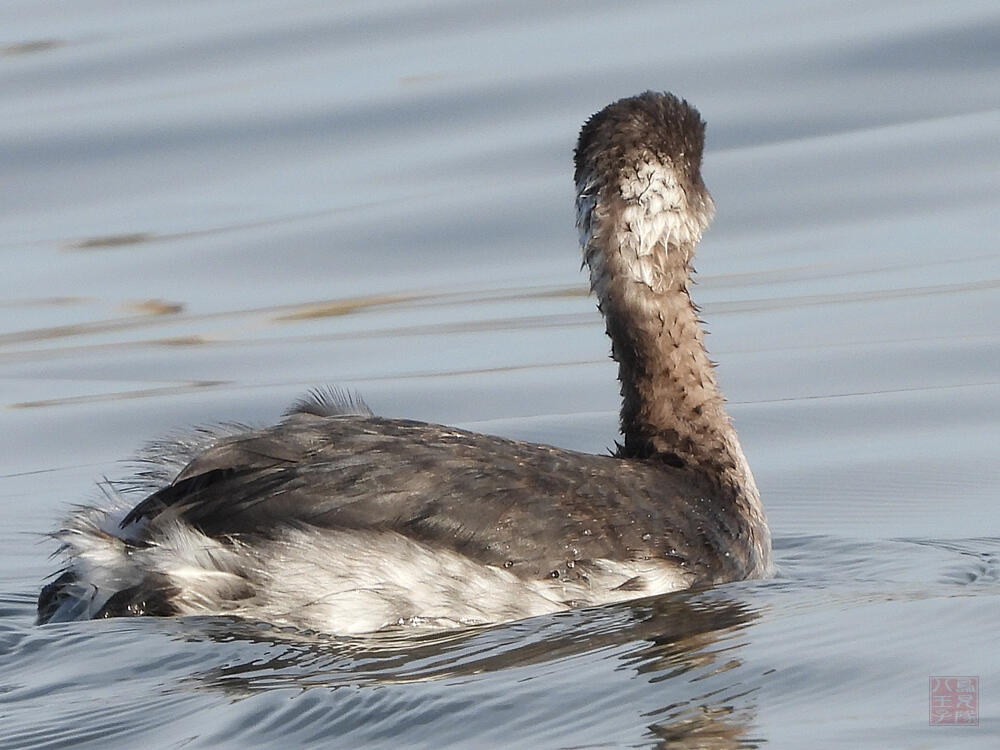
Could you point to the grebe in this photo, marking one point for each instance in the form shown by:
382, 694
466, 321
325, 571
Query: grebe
341, 521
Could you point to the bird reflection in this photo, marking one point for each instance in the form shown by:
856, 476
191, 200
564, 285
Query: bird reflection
686, 644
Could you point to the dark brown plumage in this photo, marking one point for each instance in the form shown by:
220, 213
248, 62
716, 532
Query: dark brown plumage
677, 506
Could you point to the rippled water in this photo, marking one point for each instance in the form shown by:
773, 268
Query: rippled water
209, 207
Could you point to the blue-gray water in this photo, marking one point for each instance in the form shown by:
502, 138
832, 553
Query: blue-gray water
208, 207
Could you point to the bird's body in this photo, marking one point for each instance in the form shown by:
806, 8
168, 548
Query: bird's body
341, 521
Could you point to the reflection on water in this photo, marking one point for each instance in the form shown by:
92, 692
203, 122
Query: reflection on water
688, 647
27, 48
210, 208
675, 633
670, 639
